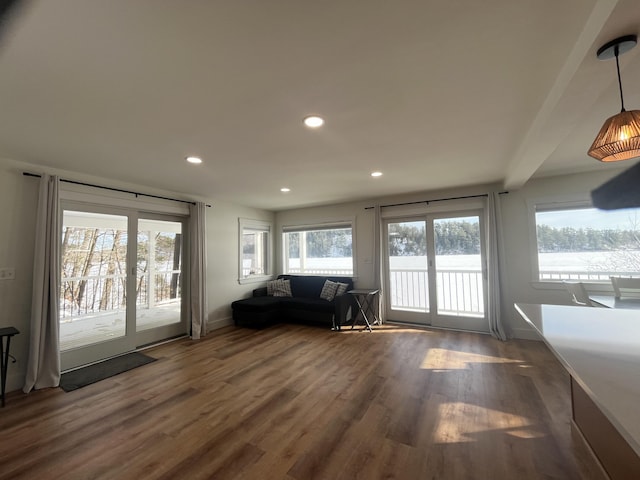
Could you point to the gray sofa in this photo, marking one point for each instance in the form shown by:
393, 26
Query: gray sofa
305, 304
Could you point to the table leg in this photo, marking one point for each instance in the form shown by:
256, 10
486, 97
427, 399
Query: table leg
4, 358
362, 306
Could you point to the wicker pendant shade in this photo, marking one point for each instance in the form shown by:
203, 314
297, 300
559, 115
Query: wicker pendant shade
619, 137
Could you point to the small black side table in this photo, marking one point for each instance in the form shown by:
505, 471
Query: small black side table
364, 298
7, 333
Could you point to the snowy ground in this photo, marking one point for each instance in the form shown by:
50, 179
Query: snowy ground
88, 329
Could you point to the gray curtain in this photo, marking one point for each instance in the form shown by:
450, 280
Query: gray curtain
378, 255
198, 284
43, 363
494, 265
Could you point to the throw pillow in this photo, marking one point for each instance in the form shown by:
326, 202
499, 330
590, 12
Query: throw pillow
342, 288
282, 288
329, 290
270, 285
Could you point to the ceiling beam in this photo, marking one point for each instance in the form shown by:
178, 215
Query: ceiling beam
540, 141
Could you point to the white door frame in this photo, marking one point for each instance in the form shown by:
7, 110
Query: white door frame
132, 339
432, 317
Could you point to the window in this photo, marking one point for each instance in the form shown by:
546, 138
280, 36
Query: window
255, 250
319, 249
584, 243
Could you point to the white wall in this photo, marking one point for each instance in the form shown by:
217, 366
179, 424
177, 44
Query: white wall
519, 238
18, 198
222, 255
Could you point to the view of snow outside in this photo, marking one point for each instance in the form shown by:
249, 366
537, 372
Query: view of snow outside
588, 243
548, 262
92, 302
460, 276
459, 289
589, 262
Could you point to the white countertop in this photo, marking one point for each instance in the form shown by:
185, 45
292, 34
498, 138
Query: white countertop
600, 347
610, 301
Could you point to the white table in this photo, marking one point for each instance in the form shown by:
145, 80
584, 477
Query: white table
600, 348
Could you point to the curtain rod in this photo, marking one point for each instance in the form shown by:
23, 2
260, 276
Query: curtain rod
435, 200
137, 194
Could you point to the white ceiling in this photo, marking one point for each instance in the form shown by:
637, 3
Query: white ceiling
434, 93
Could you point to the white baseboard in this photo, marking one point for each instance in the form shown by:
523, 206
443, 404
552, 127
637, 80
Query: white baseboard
525, 334
219, 323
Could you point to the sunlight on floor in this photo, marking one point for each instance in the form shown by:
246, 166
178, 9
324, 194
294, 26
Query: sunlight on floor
440, 359
460, 422
526, 433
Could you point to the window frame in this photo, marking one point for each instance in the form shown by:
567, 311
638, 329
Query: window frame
546, 204
330, 225
256, 225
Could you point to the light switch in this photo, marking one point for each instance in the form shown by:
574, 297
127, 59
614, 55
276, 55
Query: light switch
7, 273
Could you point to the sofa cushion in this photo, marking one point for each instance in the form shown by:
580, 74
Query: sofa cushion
312, 304
329, 290
306, 287
310, 286
255, 304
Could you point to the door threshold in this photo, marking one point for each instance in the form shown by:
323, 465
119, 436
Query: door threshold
434, 327
137, 349
147, 346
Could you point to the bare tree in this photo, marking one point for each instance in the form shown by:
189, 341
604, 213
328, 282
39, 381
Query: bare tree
112, 263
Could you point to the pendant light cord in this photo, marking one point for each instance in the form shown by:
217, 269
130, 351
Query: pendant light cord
619, 79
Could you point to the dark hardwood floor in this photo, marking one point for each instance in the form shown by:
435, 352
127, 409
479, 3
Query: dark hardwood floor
299, 402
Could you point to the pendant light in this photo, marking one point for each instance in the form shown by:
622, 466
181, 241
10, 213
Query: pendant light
619, 137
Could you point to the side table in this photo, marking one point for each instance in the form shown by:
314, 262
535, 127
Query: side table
7, 333
364, 298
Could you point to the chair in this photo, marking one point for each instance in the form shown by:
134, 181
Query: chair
579, 295
626, 287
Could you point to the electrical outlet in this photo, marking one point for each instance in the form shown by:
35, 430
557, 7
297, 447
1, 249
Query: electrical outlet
7, 273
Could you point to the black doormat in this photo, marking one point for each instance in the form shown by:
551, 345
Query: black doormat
99, 371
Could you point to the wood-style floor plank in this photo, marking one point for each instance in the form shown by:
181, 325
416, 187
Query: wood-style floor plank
299, 402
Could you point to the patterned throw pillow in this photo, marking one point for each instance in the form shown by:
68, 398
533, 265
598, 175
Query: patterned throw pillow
270, 284
281, 288
329, 290
342, 289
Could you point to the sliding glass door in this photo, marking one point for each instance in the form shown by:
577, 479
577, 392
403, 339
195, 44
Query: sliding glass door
159, 279
435, 270
408, 271
459, 272
110, 256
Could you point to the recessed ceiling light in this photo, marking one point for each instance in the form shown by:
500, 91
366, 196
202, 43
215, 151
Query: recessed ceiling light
376, 174
285, 190
313, 121
194, 160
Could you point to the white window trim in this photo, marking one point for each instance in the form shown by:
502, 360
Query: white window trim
327, 225
247, 223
